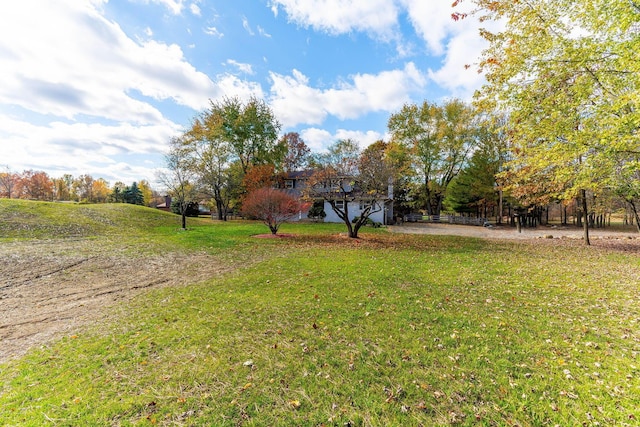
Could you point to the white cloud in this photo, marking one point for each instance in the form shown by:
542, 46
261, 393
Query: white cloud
97, 70
318, 140
432, 21
230, 85
64, 60
81, 148
263, 33
213, 31
245, 68
247, 26
376, 17
195, 9
364, 139
175, 6
458, 73
295, 101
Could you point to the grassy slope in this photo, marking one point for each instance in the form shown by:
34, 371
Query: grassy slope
389, 330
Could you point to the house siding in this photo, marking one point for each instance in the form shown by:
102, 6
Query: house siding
354, 211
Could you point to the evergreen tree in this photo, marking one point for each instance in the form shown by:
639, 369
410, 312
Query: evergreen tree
133, 195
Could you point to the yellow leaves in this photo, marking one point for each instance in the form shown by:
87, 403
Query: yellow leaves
295, 404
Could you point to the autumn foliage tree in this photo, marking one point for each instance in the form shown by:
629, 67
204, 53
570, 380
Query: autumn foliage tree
260, 176
344, 176
272, 206
568, 74
297, 152
35, 185
8, 180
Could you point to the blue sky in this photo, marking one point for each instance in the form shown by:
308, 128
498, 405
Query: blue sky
100, 86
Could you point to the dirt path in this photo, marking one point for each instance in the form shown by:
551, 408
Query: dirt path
572, 233
52, 287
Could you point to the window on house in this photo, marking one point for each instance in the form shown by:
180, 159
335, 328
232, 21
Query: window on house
340, 204
288, 183
364, 204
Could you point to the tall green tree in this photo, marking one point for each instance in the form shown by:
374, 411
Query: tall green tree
118, 192
568, 74
227, 134
251, 129
441, 138
133, 195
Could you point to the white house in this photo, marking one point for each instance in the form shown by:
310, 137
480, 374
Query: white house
295, 183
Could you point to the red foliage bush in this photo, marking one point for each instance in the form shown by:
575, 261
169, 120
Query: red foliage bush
271, 206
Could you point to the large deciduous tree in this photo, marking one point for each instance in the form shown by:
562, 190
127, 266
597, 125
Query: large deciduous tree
34, 185
297, 152
251, 129
228, 136
440, 138
568, 74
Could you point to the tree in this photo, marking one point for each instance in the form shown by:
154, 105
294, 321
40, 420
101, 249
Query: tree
260, 176
118, 192
83, 187
62, 187
99, 191
476, 189
316, 211
227, 135
178, 178
147, 192
8, 182
297, 152
441, 138
34, 185
341, 178
567, 73
192, 209
250, 129
133, 195
272, 206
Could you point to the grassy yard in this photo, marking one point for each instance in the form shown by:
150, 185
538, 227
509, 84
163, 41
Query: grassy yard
318, 329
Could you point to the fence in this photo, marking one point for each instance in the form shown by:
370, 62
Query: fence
451, 219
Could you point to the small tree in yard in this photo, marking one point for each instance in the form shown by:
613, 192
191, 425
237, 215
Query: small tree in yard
344, 175
271, 206
178, 179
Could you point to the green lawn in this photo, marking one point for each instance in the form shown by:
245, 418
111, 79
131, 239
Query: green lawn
318, 329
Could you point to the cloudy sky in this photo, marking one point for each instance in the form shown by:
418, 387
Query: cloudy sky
100, 86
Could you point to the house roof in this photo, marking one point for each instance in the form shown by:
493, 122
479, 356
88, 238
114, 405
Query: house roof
299, 174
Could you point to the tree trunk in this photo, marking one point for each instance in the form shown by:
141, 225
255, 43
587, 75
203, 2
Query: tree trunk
184, 220
586, 220
219, 208
635, 214
500, 209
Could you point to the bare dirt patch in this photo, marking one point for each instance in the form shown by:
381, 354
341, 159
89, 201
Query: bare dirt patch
49, 288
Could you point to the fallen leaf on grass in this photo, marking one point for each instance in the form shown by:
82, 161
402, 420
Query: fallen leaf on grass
295, 404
